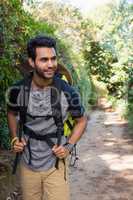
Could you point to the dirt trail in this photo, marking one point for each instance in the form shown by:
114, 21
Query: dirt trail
105, 168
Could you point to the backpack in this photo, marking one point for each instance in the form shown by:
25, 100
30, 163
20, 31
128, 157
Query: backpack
57, 115
63, 73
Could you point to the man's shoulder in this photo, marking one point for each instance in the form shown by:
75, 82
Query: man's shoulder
65, 86
69, 91
16, 87
74, 100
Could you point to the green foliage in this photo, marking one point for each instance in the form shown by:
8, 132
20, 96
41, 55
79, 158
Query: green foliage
117, 82
107, 47
130, 99
85, 87
98, 60
100, 88
4, 134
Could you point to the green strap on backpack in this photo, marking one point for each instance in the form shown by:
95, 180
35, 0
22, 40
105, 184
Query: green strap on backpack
68, 126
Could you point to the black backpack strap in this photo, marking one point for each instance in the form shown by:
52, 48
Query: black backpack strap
56, 110
24, 98
56, 107
24, 106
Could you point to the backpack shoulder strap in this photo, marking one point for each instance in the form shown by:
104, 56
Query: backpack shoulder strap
56, 107
24, 93
24, 97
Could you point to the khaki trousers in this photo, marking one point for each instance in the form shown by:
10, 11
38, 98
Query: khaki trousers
47, 185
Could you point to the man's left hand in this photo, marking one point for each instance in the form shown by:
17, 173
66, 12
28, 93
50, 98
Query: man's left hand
60, 151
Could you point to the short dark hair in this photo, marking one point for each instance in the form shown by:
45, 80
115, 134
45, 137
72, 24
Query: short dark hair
39, 41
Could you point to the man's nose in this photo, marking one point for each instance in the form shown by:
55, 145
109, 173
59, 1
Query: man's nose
50, 63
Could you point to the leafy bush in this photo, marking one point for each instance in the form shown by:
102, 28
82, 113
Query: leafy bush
130, 99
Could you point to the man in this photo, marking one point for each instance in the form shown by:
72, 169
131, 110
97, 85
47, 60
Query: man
43, 153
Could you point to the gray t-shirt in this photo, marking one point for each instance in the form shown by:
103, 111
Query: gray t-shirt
39, 106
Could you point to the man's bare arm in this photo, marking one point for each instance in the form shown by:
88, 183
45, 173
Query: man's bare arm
12, 123
17, 145
77, 132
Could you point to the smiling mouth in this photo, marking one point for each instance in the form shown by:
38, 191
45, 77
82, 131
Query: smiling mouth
50, 71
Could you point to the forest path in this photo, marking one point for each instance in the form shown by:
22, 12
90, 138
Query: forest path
104, 170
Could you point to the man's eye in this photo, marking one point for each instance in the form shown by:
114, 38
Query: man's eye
44, 59
54, 58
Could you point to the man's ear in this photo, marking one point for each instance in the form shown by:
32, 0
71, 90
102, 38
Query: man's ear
31, 62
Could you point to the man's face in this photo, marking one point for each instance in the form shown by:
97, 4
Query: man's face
45, 63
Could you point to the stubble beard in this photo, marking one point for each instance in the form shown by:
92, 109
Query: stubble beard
42, 75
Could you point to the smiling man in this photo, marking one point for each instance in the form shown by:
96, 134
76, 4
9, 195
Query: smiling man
42, 101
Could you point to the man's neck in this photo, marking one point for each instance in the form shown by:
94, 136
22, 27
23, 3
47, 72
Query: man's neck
41, 82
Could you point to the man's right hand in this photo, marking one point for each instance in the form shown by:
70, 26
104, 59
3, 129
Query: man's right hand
19, 146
